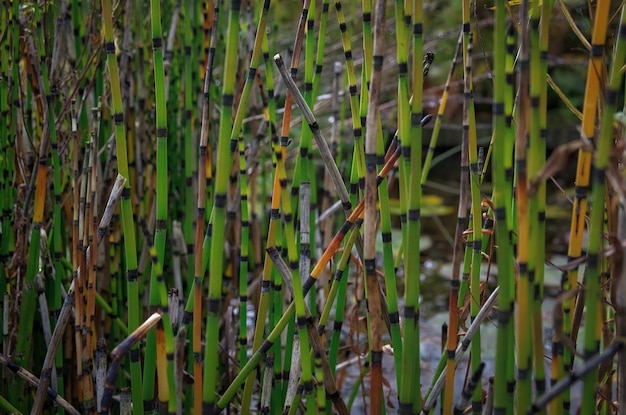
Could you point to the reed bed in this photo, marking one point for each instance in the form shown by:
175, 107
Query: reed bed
192, 196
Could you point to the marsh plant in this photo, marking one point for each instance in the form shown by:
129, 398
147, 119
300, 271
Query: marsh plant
217, 207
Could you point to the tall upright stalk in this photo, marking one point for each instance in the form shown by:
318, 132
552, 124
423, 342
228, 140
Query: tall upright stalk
357, 132
410, 395
27, 306
593, 324
504, 348
224, 163
583, 167
371, 220
469, 129
523, 334
128, 225
165, 372
194, 302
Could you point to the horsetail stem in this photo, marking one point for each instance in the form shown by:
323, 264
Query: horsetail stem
598, 183
414, 203
583, 166
359, 155
27, 307
289, 233
243, 255
523, 333
388, 259
537, 157
442, 107
224, 164
128, 225
469, 123
375, 319
164, 341
502, 398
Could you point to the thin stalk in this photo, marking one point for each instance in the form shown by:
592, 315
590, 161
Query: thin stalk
469, 128
596, 227
595, 70
501, 201
357, 132
236, 126
27, 306
537, 201
510, 216
457, 254
164, 341
523, 293
57, 243
165, 373
410, 394
243, 255
128, 225
194, 302
223, 167
189, 138
306, 376
442, 107
302, 169
369, 259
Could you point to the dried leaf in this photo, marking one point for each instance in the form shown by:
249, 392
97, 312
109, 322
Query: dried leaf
555, 163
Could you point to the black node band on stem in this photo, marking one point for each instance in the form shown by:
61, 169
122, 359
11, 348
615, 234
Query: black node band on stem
597, 50
598, 176
417, 119
213, 305
227, 100
377, 357
612, 96
220, 201
251, 73
132, 275
378, 62
409, 312
405, 408
406, 151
